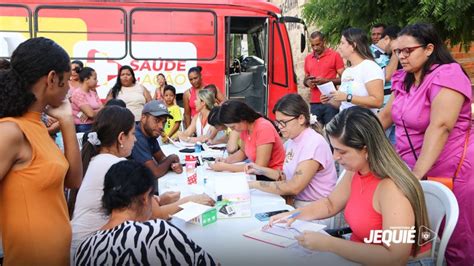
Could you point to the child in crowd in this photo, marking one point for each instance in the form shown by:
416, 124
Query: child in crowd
172, 125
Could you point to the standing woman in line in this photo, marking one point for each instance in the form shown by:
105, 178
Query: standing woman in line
85, 101
430, 106
128, 90
74, 81
33, 171
189, 97
362, 82
160, 88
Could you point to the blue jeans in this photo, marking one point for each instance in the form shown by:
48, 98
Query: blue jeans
83, 128
324, 112
390, 132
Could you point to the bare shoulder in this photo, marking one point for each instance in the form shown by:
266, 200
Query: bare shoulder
388, 190
10, 146
11, 134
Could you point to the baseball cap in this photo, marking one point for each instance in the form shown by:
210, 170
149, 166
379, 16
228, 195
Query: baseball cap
156, 108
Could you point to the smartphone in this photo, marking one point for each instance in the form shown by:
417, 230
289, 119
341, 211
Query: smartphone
209, 159
187, 150
265, 216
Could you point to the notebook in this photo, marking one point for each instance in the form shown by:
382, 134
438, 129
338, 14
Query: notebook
297, 228
271, 239
282, 236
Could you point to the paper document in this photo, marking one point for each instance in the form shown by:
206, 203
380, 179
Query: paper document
270, 239
191, 210
296, 228
327, 88
181, 144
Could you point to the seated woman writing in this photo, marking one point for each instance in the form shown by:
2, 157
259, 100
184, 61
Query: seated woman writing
130, 236
308, 172
228, 136
381, 193
261, 143
199, 124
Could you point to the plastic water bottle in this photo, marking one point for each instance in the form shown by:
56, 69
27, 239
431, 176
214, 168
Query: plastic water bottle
198, 147
191, 172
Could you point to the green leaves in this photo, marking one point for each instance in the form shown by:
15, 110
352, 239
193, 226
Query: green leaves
453, 19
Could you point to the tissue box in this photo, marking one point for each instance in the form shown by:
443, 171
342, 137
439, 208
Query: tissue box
205, 218
197, 213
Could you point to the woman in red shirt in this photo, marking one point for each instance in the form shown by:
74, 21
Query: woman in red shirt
378, 193
261, 143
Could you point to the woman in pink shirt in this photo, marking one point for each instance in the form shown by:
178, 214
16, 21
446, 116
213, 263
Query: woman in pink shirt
261, 143
74, 81
379, 193
85, 101
308, 171
431, 108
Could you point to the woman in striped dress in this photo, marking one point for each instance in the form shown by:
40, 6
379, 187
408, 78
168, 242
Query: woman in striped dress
130, 237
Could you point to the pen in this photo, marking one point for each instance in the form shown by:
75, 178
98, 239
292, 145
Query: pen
291, 216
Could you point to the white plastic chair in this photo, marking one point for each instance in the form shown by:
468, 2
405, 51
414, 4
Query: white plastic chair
332, 223
181, 126
440, 203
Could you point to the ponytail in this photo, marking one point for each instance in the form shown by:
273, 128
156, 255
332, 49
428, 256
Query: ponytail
31, 60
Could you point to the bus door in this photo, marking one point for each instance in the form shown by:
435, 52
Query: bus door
246, 60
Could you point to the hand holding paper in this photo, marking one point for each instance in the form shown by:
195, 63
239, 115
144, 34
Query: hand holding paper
327, 88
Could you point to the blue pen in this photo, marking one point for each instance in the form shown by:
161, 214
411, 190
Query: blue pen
293, 215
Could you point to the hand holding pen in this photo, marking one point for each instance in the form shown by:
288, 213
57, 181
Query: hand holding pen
286, 217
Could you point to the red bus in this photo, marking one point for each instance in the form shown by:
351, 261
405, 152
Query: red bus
243, 46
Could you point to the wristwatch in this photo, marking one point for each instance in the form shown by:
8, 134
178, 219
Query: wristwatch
349, 98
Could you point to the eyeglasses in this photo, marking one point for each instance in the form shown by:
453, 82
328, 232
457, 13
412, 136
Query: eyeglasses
282, 123
406, 51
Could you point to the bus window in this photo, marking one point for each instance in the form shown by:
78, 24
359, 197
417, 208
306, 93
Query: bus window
171, 34
15, 27
78, 30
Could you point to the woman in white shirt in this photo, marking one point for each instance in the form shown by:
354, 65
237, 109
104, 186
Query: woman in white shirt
128, 90
362, 82
205, 101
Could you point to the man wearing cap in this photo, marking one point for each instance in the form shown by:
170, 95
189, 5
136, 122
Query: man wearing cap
147, 150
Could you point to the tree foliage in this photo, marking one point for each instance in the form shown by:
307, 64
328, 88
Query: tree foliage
453, 19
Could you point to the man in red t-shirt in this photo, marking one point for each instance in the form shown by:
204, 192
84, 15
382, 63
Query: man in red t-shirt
321, 66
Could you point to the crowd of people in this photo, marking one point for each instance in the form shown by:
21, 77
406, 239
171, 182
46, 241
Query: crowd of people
401, 113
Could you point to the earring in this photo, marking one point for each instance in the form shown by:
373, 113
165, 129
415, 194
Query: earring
121, 145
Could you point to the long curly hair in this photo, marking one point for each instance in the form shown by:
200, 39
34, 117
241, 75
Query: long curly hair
30, 61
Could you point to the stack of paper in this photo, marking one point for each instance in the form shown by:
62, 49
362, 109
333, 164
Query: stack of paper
233, 196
